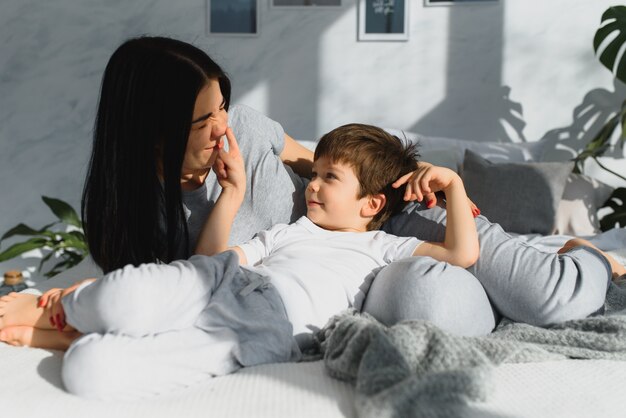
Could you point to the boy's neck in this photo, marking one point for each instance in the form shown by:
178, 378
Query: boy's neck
356, 228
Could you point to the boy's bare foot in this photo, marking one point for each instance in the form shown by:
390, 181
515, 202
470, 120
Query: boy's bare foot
25, 336
21, 309
617, 268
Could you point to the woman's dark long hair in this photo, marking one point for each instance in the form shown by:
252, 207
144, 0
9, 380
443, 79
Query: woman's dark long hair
147, 98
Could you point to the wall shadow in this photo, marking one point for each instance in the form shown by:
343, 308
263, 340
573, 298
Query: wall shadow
588, 118
476, 105
291, 73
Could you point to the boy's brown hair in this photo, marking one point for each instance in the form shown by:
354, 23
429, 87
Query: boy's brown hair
377, 158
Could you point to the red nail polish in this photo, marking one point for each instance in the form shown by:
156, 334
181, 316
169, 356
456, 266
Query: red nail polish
40, 303
430, 203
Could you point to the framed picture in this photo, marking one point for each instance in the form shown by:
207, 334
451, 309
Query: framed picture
232, 17
306, 4
383, 20
450, 2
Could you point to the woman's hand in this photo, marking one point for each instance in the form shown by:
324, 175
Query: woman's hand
51, 302
418, 185
229, 166
231, 175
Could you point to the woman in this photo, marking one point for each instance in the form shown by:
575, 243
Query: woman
162, 113
139, 209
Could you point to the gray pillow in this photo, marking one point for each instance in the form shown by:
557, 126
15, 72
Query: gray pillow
521, 197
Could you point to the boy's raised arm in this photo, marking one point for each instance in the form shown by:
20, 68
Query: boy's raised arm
460, 246
231, 175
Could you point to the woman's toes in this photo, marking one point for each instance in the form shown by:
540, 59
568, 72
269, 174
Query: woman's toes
17, 336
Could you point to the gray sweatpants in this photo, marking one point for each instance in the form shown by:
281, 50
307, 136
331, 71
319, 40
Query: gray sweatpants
160, 327
511, 278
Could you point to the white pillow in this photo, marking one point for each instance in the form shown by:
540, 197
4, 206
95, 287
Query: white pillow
434, 149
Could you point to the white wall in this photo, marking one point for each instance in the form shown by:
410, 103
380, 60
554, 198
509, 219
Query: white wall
512, 71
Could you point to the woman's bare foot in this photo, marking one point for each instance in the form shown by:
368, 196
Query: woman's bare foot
22, 309
617, 268
25, 336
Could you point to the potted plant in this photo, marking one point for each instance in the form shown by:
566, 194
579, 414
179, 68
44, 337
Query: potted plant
64, 239
613, 25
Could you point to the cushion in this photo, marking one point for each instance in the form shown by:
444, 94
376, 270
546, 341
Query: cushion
578, 211
521, 197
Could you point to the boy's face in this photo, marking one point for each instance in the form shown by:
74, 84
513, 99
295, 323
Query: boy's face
331, 197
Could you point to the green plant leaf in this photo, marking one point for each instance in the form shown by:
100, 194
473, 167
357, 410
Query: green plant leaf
617, 202
21, 229
69, 240
44, 259
76, 257
59, 267
79, 235
613, 23
599, 144
21, 247
63, 211
622, 137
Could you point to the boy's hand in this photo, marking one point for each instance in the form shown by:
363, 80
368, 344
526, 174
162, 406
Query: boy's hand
425, 181
418, 185
229, 166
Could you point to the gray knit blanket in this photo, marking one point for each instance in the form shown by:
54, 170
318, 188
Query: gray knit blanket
414, 369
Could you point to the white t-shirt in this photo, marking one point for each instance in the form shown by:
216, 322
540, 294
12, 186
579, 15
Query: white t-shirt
319, 273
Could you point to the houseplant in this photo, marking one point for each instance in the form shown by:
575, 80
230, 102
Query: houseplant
62, 239
607, 43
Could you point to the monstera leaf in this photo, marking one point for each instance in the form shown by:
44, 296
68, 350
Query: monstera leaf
609, 40
617, 202
612, 36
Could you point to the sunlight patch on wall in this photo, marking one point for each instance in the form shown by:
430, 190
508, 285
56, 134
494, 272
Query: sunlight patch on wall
390, 84
257, 97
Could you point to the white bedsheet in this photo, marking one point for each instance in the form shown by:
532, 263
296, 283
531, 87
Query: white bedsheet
31, 388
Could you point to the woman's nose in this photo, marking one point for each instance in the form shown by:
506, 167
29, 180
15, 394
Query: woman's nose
219, 128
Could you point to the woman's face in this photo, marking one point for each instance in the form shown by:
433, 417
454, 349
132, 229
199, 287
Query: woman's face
208, 126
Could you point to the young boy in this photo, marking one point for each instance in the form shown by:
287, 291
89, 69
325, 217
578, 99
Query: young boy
152, 328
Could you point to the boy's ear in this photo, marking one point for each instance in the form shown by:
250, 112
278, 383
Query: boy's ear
375, 203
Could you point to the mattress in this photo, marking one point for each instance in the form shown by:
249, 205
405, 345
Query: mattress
30, 385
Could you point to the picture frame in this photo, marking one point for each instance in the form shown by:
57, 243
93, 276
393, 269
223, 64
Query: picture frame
305, 4
430, 3
383, 20
232, 18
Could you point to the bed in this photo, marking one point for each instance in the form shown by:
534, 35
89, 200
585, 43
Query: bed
31, 384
